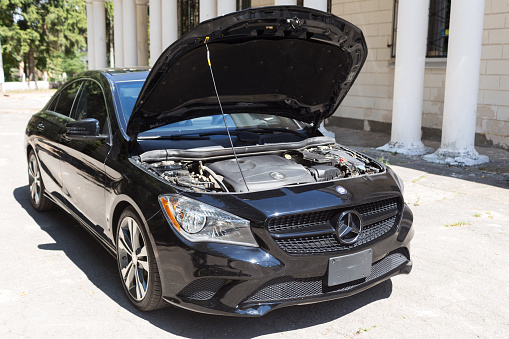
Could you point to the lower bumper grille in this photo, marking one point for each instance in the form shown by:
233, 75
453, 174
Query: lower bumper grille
202, 289
288, 288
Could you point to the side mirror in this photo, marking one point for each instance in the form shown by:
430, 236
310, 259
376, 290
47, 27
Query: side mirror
86, 129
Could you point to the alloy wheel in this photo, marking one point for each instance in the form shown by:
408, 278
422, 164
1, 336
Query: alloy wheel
34, 180
133, 258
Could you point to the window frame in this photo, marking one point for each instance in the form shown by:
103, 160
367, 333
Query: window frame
108, 112
431, 60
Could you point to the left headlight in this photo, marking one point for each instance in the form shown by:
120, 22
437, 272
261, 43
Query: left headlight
199, 222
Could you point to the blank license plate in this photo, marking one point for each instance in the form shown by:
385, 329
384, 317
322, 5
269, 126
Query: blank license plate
350, 267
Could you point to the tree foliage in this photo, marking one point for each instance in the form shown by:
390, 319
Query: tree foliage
46, 35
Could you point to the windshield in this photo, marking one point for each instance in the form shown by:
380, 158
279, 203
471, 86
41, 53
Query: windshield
128, 93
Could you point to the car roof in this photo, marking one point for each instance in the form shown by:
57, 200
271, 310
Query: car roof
126, 74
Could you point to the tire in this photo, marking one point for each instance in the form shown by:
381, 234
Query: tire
37, 198
137, 269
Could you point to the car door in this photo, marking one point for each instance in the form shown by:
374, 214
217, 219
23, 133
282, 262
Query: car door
49, 126
83, 168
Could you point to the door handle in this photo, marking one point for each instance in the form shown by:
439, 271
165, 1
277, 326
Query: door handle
65, 139
40, 127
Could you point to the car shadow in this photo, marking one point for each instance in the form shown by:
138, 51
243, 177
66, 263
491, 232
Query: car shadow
100, 268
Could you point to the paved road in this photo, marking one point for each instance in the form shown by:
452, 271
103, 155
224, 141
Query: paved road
55, 281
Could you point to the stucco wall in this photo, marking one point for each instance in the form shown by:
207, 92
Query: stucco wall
371, 97
259, 3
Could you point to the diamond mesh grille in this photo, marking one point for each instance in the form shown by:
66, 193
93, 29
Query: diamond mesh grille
202, 289
288, 288
295, 221
329, 243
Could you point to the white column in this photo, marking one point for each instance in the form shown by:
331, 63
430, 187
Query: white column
119, 33
322, 6
462, 86
101, 59
156, 34
208, 9
90, 34
170, 24
142, 31
2, 76
409, 78
285, 2
129, 23
316, 4
226, 6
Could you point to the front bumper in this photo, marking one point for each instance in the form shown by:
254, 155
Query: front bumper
242, 281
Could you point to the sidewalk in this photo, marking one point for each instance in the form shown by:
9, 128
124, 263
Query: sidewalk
495, 173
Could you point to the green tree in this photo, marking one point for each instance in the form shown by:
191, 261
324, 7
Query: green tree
44, 34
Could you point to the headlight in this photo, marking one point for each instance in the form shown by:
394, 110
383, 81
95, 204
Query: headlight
199, 222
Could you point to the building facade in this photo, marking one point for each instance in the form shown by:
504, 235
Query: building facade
371, 103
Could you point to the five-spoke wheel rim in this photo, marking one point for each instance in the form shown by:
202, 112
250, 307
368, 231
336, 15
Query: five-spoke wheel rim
34, 180
133, 258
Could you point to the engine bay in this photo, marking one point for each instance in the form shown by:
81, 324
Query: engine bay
263, 171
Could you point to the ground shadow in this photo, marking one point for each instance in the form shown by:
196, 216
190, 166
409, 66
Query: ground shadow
494, 173
100, 268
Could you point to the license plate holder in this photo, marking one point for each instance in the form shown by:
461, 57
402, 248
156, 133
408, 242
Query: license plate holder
349, 267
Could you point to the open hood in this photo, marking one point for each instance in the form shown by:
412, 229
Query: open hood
286, 60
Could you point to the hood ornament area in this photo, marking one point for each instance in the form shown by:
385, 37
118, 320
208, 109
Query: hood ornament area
349, 227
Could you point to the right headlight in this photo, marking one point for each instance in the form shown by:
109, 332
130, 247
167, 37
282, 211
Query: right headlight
199, 222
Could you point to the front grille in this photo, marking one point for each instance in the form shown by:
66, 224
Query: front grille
329, 242
380, 216
295, 221
202, 289
288, 288
377, 207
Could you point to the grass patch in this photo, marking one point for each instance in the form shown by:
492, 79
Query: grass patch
383, 160
419, 178
367, 329
457, 224
418, 201
477, 215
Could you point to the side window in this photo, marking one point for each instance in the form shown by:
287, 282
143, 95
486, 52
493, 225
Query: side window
53, 104
91, 104
64, 102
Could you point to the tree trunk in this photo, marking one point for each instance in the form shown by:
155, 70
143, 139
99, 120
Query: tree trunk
31, 64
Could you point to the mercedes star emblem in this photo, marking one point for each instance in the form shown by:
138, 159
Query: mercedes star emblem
349, 227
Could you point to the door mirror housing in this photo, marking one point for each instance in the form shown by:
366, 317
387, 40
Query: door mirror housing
86, 129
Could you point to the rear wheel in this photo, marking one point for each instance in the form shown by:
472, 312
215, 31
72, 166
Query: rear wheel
37, 198
136, 263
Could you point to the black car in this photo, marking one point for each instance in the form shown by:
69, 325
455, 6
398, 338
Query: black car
207, 177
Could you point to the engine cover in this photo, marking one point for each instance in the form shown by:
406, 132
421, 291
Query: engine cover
261, 172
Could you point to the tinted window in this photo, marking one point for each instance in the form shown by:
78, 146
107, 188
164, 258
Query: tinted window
52, 106
66, 99
91, 104
128, 93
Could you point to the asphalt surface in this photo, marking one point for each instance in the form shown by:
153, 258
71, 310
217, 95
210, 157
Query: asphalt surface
56, 281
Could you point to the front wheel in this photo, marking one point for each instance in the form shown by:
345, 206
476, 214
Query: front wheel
37, 198
136, 263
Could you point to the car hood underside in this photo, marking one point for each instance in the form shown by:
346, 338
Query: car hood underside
288, 61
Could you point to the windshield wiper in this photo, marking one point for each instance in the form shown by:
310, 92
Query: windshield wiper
271, 130
175, 137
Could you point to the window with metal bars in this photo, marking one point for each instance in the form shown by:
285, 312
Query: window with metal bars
438, 28
329, 5
243, 4
188, 15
